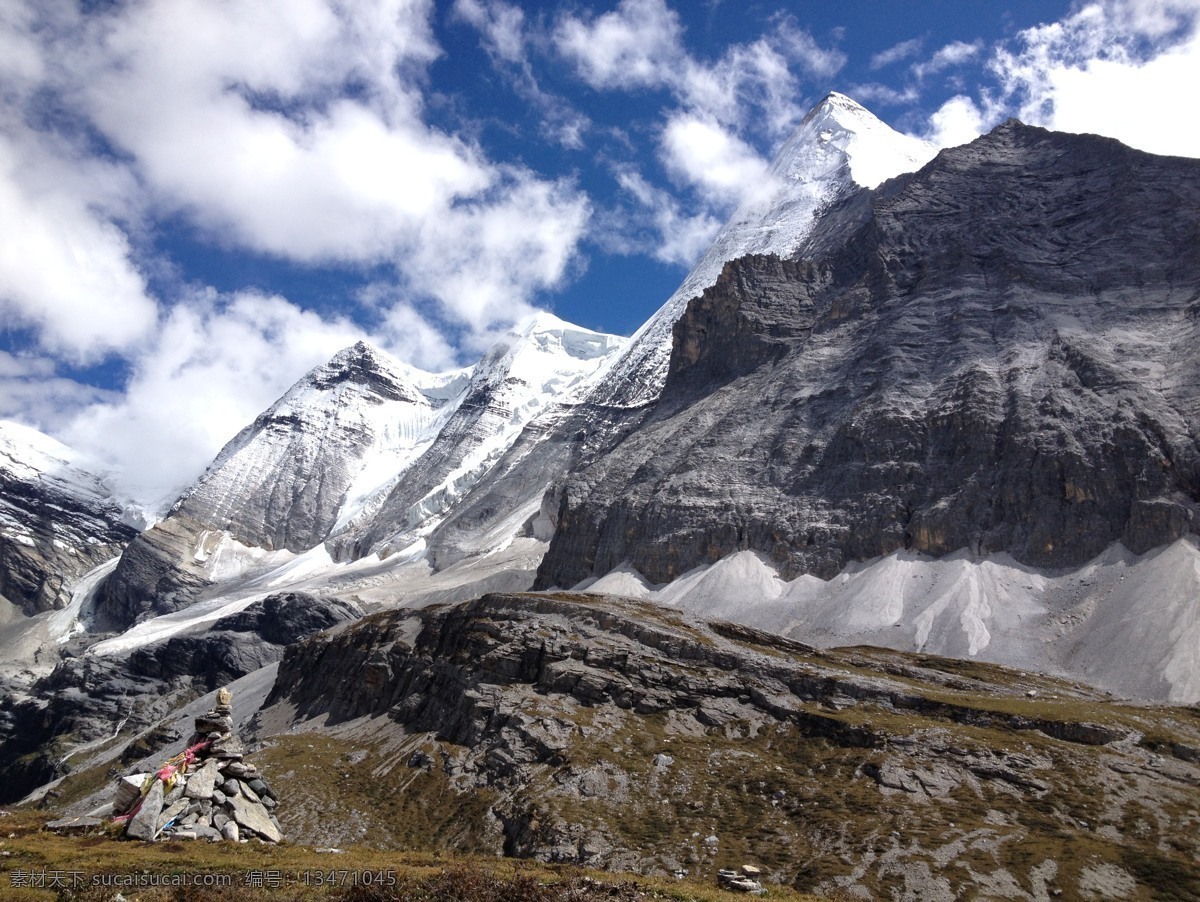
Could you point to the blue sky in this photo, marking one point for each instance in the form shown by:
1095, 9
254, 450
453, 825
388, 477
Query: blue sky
202, 199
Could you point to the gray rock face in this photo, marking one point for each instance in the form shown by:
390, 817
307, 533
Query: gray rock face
289, 617
1001, 358
84, 697
157, 573
280, 483
144, 824
611, 733
57, 521
243, 642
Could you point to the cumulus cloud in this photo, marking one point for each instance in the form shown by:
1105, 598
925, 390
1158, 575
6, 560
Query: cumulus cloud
66, 268
957, 121
1115, 68
295, 130
701, 153
217, 362
636, 45
411, 337
640, 44
1112, 67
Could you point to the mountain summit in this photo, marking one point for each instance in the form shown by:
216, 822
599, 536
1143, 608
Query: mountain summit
952, 411
839, 148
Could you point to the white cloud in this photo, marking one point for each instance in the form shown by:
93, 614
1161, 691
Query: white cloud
1116, 68
636, 45
32, 392
295, 129
752, 85
413, 339
722, 167
1111, 67
502, 25
953, 54
680, 238
897, 52
874, 92
482, 261
215, 365
722, 115
1137, 104
65, 266
957, 121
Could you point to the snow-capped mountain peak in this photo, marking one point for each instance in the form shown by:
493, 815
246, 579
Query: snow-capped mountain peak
543, 363
344, 429
839, 128
839, 147
548, 357
28, 454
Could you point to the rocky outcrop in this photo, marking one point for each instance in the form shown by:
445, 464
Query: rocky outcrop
90, 698
240, 643
1001, 359
57, 521
602, 731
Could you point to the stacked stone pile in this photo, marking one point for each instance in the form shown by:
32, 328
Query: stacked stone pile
206, 792
747, 880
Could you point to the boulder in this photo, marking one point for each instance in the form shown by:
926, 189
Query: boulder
144, 824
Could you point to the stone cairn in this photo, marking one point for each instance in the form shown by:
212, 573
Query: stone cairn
747, 880
206, 792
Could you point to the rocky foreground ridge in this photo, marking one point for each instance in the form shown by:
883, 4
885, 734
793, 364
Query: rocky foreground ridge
608, 732
998, 353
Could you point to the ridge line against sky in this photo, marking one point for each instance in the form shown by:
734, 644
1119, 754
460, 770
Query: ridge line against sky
202, 199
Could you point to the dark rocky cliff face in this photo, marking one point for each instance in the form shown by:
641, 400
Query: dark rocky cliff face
90, 698
61, 537
1004, 357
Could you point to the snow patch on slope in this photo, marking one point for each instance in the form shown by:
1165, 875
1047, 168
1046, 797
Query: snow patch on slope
1125, 623
545, 363
27, 455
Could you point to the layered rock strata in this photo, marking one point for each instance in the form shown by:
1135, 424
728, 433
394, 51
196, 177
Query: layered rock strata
602, 731
57, 521
1001, 358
